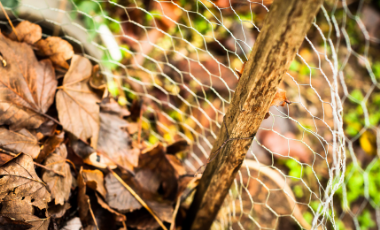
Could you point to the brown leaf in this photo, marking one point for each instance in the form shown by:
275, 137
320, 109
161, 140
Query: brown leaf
4, 158
111, 106
83, 199
119, 216
177, 147
50, 145
155, 171
57, 211
27, 32
98, 80
280, 98
7, 223
114, 141
27, 86
77, 105
21, 210
19, 181
57, 49
20, 141
118, 196
95, 180
59, 186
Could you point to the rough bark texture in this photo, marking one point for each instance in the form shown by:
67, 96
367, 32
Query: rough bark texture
284, 30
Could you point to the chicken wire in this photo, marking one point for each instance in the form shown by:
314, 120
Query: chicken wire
181, 58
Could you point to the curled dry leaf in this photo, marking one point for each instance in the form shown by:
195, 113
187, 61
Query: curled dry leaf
98, 80
19, 181
27, 86
19, 141
59, 186
83, 199
57, 211
280, 98
114, 141
4, 158
27, 32
77, 105
49, 146
109, 105
57, 49
95, 180
177, 147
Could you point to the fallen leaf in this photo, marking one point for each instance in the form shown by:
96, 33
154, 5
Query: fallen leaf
19, 141
57, 49
27, 86
19, 181
111, 106
95, 180
118, 196
49, 146
177, 147
114, 141
4, 158
21, 210
77, 105
47, 128
83, 199
98, 80
156, 171
119, 216
73, 224
27, 32
99, 161
57, 211
280, 98
59, 186
7, 223
368, 142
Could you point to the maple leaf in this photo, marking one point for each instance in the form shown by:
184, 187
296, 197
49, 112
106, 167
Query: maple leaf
57, 49
27, 86
77, 105
27, 32
59, 186
19, 141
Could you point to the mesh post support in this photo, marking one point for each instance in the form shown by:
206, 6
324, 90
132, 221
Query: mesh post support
284, 30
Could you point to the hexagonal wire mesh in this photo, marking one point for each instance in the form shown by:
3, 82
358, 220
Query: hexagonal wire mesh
180, 58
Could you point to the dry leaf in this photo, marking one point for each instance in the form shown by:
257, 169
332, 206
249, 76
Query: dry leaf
19, 141
27, 86
279, 98
83, 199
77, 105
98, 80
155, 171
50, 145
19, 181
27, 32
59, 186
114, 141
4, 158
21, 210
111, 106
57, 211
119, 216
177, 147
118, 196
7, 223
95, 180
57, 49
73, 224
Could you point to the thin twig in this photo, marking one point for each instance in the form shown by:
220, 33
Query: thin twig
140, 125
172, 226
9, 20
138, 198
49, 169
92, 214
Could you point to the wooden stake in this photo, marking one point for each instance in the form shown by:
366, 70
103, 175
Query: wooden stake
284, 30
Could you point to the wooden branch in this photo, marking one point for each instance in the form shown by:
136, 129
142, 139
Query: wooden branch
284, 30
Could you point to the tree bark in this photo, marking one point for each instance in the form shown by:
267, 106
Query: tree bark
284, 30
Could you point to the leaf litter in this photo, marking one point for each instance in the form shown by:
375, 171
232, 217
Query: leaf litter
70, 152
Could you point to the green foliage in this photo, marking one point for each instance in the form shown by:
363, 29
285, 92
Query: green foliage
365, 220
10, 3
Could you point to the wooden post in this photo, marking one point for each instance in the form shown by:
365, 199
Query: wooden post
284, 30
